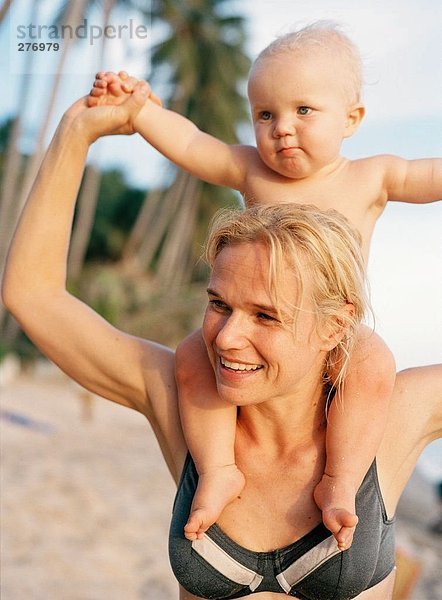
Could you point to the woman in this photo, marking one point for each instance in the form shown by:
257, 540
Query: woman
285, 294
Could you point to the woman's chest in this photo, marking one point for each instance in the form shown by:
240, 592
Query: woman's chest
289, 554
275, 508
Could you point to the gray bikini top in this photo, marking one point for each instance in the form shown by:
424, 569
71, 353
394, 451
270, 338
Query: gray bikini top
311, 568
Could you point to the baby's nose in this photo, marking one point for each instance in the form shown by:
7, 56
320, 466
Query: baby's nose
284, 126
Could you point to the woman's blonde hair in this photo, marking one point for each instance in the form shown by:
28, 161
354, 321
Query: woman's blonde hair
321, 247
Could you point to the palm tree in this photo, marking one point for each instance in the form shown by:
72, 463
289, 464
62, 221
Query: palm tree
90, 188
202, 60
19, 190
13, 157
16, 185
4, 9
87, 200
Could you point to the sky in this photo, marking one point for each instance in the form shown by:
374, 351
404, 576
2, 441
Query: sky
401, 46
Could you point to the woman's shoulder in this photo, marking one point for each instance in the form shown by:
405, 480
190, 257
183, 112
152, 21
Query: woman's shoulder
414, 420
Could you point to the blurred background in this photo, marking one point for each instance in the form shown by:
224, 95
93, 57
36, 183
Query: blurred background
140, 223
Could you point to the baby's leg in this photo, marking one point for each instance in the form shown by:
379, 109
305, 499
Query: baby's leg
355, 427
209, 425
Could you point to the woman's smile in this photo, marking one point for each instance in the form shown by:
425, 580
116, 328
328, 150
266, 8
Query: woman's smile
238, 366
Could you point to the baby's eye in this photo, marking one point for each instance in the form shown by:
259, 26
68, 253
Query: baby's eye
265, 115
304, 110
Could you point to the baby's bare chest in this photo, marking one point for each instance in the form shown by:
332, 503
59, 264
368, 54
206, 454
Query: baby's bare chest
357, 199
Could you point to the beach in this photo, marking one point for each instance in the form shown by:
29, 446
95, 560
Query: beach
86, 500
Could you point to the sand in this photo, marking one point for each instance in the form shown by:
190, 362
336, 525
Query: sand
86, 500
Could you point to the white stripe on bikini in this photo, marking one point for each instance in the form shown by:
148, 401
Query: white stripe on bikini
225, 564
307, 563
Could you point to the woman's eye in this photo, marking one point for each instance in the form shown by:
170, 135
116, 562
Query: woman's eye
217, 304
265, 317
265, 115
304, 110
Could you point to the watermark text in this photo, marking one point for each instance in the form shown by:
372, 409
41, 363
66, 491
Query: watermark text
83, 31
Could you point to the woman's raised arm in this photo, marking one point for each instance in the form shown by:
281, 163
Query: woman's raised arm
91, 351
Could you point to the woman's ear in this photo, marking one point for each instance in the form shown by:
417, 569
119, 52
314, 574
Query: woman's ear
335, 328
355, 115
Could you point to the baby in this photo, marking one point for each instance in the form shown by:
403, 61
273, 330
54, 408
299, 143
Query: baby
304, 92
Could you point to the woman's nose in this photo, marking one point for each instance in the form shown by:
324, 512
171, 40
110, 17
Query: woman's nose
232, 334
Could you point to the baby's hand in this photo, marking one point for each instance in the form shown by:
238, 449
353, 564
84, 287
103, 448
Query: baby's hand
115, 119
113, 89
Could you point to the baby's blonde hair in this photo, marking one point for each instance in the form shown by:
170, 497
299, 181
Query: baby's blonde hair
326, 36
320, 245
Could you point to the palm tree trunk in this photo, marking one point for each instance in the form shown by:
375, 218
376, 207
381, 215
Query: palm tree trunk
13, 165
4, 9
13, 160
84, 220
175, 252
141, 227
158, 227
75, 10
90, 189
142, 223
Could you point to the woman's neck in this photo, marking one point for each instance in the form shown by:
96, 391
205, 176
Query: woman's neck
285, 425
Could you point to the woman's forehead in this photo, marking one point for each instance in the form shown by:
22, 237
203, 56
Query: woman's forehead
244, 261
247, 266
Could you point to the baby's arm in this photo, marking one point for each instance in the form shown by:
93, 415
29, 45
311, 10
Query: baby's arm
209, 426
417, 181
177, 138
356, 423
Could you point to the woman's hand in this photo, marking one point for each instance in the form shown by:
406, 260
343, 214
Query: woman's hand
91, 123
111, 88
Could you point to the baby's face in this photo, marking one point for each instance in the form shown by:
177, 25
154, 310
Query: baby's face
299, 111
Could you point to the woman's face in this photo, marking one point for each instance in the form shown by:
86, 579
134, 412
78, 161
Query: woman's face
255, 357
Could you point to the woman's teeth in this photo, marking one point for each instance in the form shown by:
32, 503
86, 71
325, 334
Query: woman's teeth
238, 366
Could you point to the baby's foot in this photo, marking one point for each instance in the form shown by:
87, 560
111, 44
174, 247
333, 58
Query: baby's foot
216, 488
336, 498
